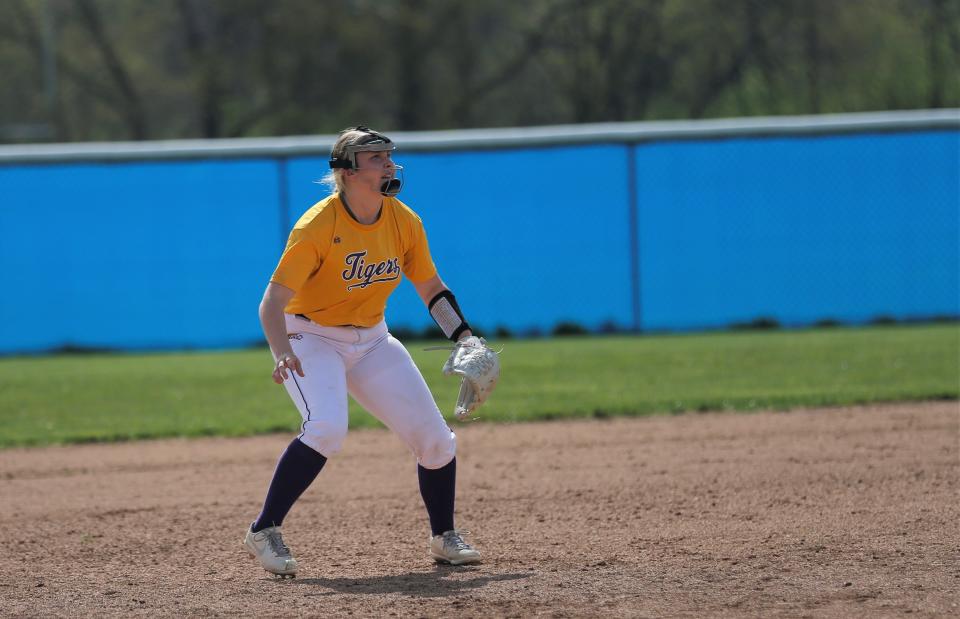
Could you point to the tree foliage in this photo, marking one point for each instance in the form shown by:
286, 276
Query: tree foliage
157, 69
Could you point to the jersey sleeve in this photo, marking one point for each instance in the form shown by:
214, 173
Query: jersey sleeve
417, 263
299, 260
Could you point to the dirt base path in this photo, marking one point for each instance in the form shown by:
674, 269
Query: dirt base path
825, 513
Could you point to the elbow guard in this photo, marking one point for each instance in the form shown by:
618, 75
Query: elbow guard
445, 311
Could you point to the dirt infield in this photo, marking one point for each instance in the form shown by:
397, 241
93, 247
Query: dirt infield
810, 513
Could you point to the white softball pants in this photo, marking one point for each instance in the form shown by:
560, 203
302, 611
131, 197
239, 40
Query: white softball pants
373, 367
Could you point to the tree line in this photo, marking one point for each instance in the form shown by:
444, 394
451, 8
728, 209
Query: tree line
77, 70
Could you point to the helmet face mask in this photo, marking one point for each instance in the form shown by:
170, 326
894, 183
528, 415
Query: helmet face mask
374, 147
372, 142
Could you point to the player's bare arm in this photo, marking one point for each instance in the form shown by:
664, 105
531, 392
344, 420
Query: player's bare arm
275, 298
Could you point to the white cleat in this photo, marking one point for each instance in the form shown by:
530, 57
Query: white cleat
267, 547
450, 548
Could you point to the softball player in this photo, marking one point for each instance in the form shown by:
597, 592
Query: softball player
322, 314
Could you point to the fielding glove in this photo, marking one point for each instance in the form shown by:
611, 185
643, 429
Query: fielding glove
479, 367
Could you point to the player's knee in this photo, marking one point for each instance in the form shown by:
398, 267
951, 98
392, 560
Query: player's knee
324, 438
438, 450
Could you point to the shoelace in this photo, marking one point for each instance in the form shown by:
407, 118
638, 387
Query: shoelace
455, 539
276, 544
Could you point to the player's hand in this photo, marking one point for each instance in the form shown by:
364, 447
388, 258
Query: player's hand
285, 364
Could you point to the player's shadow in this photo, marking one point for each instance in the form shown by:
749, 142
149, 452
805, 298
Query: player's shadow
420, 584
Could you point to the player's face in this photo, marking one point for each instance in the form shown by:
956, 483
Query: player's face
374, 168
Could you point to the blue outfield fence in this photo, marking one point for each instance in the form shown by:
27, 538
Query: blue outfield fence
799, 229
646, 226
135, 255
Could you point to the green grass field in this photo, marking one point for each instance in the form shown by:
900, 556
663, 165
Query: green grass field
76, 398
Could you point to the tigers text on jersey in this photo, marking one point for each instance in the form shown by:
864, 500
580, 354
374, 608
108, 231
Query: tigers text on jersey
342, 271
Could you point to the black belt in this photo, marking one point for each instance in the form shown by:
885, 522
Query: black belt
305, 317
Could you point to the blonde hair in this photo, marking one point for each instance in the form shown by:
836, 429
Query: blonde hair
351, 136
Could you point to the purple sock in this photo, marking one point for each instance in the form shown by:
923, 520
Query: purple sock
437, 487
298, 467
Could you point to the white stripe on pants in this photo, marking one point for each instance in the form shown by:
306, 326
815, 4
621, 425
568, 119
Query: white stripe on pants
378, 372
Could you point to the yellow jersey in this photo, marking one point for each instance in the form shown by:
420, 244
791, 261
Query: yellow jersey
342, 271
